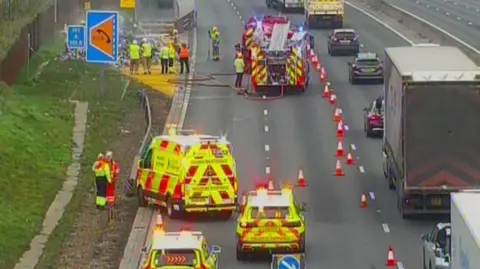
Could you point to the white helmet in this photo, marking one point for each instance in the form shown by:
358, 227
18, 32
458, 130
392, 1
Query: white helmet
109, 154
144, 39
135, 42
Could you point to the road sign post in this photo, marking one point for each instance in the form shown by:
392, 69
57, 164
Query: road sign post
75, 36
102, 40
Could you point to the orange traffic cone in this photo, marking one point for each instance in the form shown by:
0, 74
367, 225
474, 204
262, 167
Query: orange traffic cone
322, 76
301, 179
338, 169
318, 67
315, 59
340, 149
363, 201
391, 262
333, 99
340, 130
326, 91
350, 160
337, 115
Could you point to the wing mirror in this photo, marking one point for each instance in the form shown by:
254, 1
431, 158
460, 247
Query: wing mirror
216, 249
144, 250
140, 163
365, 109
304, 207
423, 237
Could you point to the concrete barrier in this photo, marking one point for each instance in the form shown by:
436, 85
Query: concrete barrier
426, 29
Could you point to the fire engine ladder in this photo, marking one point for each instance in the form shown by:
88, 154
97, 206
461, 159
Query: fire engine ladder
276, 54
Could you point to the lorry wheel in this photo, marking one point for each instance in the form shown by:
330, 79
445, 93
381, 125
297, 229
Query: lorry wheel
240, 254
142, 201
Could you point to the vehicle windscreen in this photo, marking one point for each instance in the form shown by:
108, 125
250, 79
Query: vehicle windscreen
345, 35
269, 213
369, 62
442, 135
172, 257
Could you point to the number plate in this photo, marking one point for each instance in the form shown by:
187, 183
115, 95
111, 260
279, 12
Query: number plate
436, 201
344, 41
268, 229
200, 200
368, 70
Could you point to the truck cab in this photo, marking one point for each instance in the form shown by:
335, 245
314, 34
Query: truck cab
437, 247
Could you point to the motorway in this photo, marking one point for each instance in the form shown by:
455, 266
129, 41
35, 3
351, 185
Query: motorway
460, 18
297, 132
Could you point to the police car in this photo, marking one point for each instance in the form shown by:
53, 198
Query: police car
183, 249
270, 221
366, 66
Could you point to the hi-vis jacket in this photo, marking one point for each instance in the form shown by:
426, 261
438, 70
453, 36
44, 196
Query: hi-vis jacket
190, 172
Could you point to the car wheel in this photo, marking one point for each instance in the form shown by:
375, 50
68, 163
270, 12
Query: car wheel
430, 265
391, 184
240, 254
424, 267
369, 131
329, 51
171, 213
142, 201
353, 81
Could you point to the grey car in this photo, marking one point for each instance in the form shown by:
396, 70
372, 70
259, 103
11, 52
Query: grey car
437, 247
366, 66
343, 42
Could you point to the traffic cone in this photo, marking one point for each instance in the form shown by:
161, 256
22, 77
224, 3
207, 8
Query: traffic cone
318, 67
337, 117
333, 99
301, 179
315, 59
391, 262
350, 160
326, 91
338, 169
340, 149
340, 131
363, 201
322, 76
270, 185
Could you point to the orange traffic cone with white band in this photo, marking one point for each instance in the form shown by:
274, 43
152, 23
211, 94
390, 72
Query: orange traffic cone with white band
363, 201
337, 115
338, 169
301, 179
333, 99
326, 91
322, 76
318, 67
391, 262
340, 131
315, 60
340, 149
350, 160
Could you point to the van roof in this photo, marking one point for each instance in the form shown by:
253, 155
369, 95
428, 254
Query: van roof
267, 198
192, 140
177, 240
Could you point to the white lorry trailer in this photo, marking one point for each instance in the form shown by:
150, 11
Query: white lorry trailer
431, 143
465, 225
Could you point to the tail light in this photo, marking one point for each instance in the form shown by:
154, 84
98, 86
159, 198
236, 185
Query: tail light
380, 68
292, 224
355, 67
334, 39
248, 225
178, 192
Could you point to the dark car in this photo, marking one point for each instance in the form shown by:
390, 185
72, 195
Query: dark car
366, 66
343, 41
373, 119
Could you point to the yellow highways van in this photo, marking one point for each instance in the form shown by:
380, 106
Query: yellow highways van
186, 173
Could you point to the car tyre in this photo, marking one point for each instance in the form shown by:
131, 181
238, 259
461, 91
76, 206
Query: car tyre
368, 130
353, 81
241, 256
142, 201
424, 267
302, 247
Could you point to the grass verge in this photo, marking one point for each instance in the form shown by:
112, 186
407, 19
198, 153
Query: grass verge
36, 120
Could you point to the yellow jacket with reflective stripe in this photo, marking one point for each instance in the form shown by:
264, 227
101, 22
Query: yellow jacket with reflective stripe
102, 169
147, 49
134, 51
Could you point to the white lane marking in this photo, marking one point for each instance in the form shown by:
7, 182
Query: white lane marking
265, 112
372, 195
400, 265
386, 229
267, 170
393, 30
267, 148
361, 169
353, 147
265, 128
345, 127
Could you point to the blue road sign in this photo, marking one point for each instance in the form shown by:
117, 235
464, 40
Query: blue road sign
76, 36
102, 36
288, 262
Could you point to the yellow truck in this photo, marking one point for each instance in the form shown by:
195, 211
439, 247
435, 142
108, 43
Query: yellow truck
324, 13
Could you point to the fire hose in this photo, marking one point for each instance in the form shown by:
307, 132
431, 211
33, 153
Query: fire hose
208, 80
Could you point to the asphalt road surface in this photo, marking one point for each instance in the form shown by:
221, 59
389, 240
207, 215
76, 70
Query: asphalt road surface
458, 17
297, 132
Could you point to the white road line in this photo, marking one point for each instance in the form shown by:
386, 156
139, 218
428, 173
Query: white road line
361, 169
386, 229
267, 148
353, 147
266, 128
372, 195
265, 112
267, 170
400, 265
395, 31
